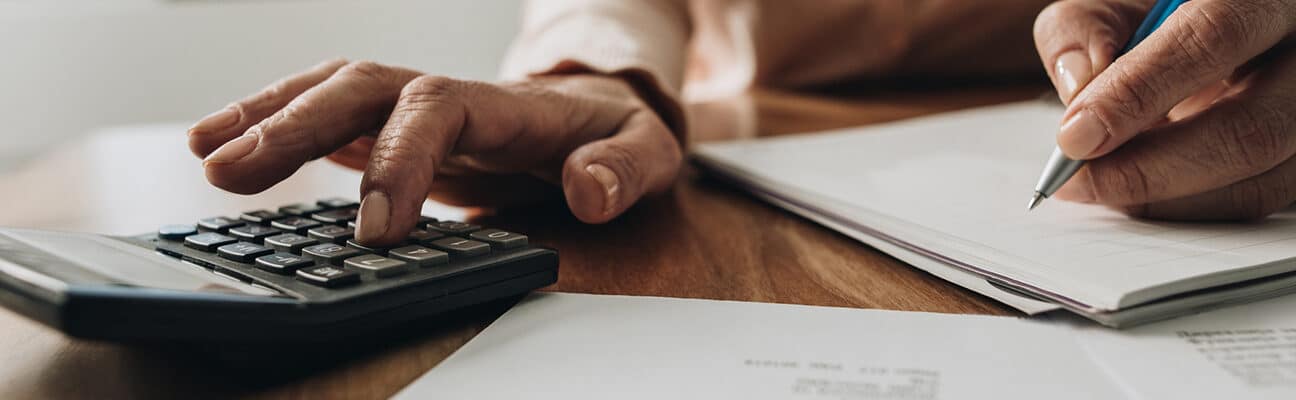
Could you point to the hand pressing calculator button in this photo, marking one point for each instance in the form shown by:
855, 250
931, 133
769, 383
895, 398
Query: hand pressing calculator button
328, 276
271, 271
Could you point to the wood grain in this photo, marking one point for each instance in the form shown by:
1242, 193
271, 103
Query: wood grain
700, 240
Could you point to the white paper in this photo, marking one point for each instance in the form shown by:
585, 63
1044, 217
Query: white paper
576, 346
1246, 352
572, 346
957, 184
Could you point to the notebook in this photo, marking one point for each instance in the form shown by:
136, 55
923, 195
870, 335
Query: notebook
952, 188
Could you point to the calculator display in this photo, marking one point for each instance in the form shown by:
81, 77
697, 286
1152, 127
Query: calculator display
56, 260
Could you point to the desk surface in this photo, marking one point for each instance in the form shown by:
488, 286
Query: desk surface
701, 240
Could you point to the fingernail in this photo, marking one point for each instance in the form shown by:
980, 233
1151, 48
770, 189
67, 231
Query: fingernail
217, 121
1073, 71
1082, 135
611, 184
234, 150
375, 211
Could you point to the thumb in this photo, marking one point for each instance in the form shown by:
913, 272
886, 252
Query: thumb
1077, 39
603, 178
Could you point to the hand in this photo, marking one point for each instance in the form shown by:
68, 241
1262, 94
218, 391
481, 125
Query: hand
461, 142
1196, 123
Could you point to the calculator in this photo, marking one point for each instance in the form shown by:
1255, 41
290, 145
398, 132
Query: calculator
294, 273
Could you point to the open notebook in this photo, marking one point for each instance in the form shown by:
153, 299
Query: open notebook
951, 189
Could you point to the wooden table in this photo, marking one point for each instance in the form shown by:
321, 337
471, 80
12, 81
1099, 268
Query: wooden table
701, 240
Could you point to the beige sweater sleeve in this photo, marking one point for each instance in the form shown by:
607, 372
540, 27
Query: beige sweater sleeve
643, 41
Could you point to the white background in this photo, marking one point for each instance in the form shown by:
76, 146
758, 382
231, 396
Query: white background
68, 67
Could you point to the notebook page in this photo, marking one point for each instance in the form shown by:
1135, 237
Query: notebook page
962, 180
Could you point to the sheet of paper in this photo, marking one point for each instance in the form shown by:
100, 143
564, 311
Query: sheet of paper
1246, 352
932, 266
573, 346
957, 183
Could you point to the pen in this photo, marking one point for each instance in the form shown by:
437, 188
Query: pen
1059, 168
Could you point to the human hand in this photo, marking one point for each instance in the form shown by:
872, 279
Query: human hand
462, 142
1196, 123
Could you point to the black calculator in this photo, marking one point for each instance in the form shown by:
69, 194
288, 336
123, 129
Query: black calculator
294, 273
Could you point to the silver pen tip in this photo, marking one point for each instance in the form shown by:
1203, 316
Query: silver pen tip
1035, 201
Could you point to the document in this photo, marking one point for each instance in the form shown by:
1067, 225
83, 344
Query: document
1246, 352
577, 346
953, 187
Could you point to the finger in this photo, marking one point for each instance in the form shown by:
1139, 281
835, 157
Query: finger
214, 130
1250, 199
318, 122
1201, 43
1077, 38
516, 127
603, 178
1236, 138
424, 126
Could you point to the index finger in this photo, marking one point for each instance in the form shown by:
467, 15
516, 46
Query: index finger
1201, 43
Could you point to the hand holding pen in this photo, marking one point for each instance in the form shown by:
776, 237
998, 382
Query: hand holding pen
1198, 121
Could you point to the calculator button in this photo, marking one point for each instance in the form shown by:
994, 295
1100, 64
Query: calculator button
500, 240
296, 225
419, 255
419, 236
253, 233
328, 276
300, 209
336, 202
176, 232
290, 242
452, 227
262, 217
459, 247
218, 224
380, 266
425, 220
376, 250
243, 252
283, 263
330, 253
208, 241
336, 216
331, 233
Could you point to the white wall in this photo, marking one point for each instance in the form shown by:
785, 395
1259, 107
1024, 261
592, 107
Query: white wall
71, 66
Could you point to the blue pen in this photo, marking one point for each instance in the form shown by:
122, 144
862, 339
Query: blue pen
1060, 168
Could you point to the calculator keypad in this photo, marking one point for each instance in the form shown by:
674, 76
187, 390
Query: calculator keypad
328, 276
315, 243
290, 242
